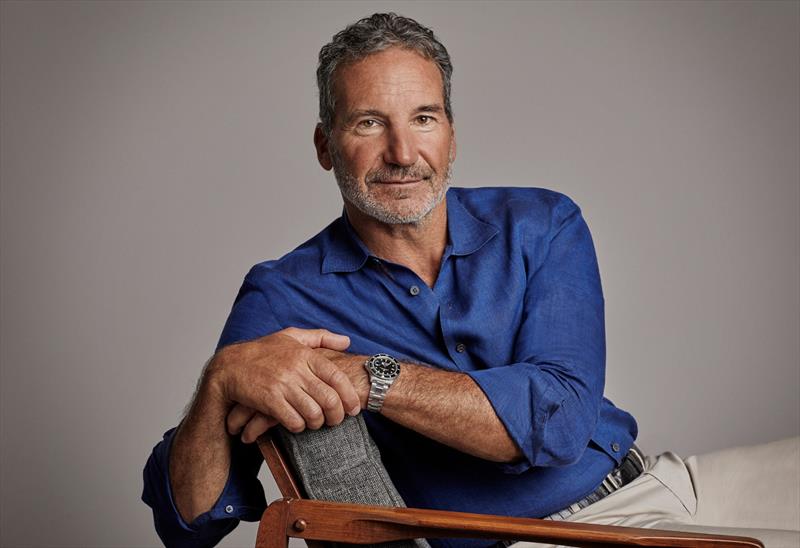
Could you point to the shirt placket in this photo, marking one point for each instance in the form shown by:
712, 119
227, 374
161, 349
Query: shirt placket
425, 303
455, 346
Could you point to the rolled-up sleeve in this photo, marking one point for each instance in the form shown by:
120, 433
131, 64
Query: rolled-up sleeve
241, 499
243, 496
549, 398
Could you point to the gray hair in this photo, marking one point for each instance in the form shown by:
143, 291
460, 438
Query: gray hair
372, 35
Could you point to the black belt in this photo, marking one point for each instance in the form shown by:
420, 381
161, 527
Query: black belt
628, 470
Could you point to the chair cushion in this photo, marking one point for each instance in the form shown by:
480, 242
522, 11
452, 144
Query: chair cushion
343, 464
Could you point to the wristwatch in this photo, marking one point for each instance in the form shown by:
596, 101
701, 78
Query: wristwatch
383, 370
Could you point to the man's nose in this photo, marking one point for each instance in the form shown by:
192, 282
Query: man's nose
401, 149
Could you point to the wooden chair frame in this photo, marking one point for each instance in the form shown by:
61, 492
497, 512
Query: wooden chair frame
320, 523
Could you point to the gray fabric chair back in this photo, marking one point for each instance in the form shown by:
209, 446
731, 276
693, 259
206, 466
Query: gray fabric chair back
343, 464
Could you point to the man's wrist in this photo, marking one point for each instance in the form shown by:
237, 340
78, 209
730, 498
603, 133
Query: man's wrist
352, 365
213, 384
359, 377
382, 370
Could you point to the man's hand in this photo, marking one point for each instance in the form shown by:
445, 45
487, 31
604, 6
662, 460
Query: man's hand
251, 424
280, 378
351, 365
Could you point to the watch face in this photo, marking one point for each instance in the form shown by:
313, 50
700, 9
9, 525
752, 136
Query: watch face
384, 366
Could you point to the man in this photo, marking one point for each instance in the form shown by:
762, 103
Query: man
469, 322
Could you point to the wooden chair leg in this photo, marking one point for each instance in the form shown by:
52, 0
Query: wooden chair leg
273, 526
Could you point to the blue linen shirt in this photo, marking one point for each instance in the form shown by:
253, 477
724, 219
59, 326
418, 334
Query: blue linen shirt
517, 305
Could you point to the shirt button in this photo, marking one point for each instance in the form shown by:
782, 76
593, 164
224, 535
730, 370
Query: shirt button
615, 447
460, 347
414, 290
229, 509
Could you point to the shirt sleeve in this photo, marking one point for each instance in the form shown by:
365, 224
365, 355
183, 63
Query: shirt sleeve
549, 398
243, 496
252, 316
241, 499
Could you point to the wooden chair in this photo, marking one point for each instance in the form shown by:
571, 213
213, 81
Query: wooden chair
321, 523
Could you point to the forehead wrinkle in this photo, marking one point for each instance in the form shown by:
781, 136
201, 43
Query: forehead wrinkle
388, 77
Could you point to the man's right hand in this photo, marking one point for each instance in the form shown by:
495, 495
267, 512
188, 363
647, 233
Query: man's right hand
280, 379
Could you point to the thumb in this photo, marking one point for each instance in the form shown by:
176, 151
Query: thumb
319, 338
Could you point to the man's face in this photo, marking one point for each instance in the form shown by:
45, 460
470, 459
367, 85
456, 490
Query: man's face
391, 145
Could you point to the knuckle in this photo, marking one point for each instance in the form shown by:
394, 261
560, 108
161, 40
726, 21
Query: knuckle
314, 414
330, 401
305, 354
272, 394
338, 376
283, 377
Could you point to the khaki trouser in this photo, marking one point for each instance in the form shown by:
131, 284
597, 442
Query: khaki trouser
746, 491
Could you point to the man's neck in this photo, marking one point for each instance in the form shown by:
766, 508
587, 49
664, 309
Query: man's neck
417, 246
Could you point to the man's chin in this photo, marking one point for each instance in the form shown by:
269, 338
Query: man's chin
395, 204
397, 215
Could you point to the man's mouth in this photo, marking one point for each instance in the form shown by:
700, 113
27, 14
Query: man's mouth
400, 181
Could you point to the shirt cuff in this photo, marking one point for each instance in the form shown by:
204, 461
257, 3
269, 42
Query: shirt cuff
526, 401
242, 498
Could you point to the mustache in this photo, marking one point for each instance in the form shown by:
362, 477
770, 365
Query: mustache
397, 173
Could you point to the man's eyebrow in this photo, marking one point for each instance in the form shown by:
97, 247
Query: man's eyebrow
435, 109
432, 108
365, 112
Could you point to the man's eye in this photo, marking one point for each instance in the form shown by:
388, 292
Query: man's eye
424, 120
367, 124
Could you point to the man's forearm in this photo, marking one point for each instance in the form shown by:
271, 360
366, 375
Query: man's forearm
442, 405
278, 378
200, 455
451, 409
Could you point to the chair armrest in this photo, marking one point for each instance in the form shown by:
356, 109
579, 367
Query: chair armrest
362, 524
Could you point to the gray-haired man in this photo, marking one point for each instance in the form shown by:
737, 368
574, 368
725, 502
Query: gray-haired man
468, 322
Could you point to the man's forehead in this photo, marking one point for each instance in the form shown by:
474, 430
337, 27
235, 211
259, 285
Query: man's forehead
388, 76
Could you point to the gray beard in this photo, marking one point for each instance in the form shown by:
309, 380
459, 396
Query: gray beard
366, 204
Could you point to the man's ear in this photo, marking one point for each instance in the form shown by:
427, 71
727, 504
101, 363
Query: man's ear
321, 144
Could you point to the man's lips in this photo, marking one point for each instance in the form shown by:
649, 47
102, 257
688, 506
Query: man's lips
398, 181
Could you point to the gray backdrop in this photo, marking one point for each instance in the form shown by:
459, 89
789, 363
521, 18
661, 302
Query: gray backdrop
151, 152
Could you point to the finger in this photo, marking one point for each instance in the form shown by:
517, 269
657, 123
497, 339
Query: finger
327, 398
286, 415
238, 417
257, 426
305, 405
334, 377
318, 338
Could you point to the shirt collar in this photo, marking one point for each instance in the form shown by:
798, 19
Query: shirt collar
347, 253
467, 233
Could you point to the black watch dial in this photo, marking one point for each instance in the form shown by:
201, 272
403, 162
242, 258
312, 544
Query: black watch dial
384, 366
